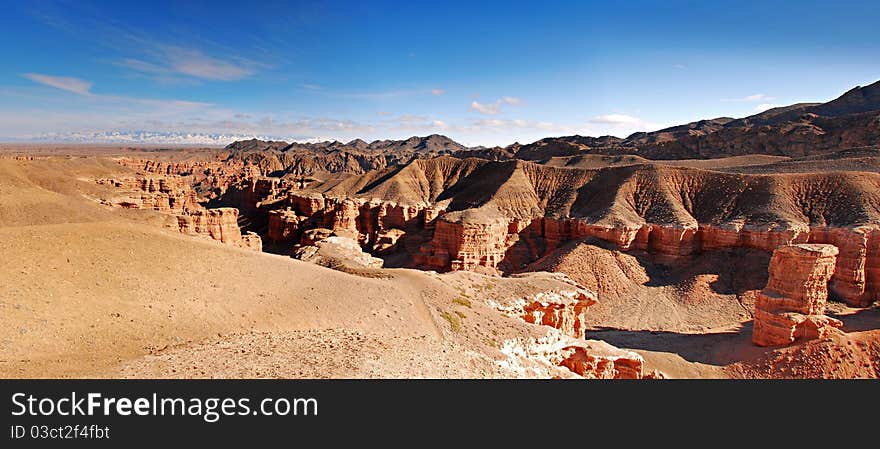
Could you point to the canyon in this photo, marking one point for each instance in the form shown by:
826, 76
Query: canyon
670, 214
713, 249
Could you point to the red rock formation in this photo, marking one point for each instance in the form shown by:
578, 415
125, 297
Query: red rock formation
218, 224
284, 225
792, 305
306, 204
856, 279
568, 314
376, 225
161, 193
565, 309
465, 244
212, 176
592, 364
342, 216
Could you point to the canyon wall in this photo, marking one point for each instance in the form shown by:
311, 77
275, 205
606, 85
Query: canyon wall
169, 194
375, 225
173, 195
210, 177
499, 217
792, 305
474, 240
507, 246
218, 224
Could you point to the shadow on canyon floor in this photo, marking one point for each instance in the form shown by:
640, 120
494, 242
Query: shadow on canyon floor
717, 348
860, 320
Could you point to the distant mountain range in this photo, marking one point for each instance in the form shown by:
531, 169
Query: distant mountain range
849, 121
149, 137
804, 129
433, 144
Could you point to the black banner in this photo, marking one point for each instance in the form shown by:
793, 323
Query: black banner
109, 413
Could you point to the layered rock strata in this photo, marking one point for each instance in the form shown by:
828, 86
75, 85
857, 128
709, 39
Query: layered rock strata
169, 194
472, 240
219, 224
563, 310
465, 245
590, 359
792, 305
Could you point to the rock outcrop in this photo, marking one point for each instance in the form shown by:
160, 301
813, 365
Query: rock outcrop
378, 226
595, 360
284, 225
792, 305
564, 310
462, 242
590, 359
169, 194
337, 252
210, 178
172, 194
218, 224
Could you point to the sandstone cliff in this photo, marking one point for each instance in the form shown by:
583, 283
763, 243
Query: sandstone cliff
792, 305
170, 194
218, 224
452, 214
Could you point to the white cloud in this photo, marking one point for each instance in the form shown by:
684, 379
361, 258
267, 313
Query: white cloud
754, 98
620, 125
190, 62
69, 84
312, 87
437, 92
507, 125
142, 66
197, 64
765, 106
679, 66
493, 108
616, 119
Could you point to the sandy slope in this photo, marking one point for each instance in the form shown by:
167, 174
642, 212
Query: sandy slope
713, 290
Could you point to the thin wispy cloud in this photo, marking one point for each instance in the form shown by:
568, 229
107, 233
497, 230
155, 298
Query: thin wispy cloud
414, 124
190, 62
311, 87
493, 108
617, 124
616, 119
754, 98
70, 84
83, 87
765, 106
381, 95
146, 51
679, 66
506, 125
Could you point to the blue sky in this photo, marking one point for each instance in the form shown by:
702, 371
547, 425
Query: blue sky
483, 73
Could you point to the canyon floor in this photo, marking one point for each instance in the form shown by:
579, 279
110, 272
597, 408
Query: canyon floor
91, 290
